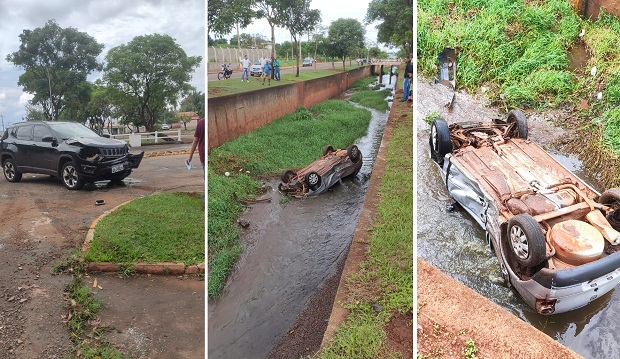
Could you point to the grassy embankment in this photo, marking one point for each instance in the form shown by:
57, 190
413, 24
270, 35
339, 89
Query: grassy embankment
520, 54
233, 86
385, 278
291, 141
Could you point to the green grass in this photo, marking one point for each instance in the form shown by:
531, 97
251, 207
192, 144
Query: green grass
86, 336
519, 50
233, 86
291, 141
386, 275
165, 227
372, 99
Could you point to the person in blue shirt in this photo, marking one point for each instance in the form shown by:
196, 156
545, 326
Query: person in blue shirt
267, 73
276, 69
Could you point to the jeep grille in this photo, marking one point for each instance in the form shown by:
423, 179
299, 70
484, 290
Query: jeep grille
114, 152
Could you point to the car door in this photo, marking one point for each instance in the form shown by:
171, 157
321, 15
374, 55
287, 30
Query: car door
22, 154
45, 145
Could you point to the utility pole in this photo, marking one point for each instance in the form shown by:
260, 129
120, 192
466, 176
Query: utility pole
2, 117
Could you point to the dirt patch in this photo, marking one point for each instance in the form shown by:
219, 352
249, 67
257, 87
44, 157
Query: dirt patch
450, 314
42, 225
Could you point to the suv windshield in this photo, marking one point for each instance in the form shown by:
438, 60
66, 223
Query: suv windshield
72, 130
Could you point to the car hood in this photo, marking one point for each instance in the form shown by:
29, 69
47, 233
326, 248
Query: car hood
95, 142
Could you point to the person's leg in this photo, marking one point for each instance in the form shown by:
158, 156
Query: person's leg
406, 85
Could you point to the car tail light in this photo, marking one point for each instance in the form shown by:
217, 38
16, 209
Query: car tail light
545, 306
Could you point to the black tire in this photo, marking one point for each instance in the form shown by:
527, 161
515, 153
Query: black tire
220, 75
327, 149
439, 140
526, 241
520, 130
71, 177
354, 153
312, 180
10, 171
611, 198
287, 176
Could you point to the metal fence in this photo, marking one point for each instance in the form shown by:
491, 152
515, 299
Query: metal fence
229, 55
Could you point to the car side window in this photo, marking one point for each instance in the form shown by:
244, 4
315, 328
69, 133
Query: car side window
24, 133
41, 131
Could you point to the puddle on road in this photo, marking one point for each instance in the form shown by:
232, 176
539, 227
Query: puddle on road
290, 252
453, 241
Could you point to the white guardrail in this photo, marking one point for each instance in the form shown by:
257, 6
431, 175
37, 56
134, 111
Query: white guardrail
137, 139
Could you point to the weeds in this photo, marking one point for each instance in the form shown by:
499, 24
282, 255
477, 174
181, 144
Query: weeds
470, 349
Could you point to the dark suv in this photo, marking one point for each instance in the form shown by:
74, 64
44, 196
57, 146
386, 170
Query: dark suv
67, 150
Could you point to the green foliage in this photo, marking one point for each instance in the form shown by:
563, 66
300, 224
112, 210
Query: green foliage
302, 114
470, 349
372, 99
194, 102
519, 48
166, 227
224, 15
146, 75
345, 37
56, 62
395, 22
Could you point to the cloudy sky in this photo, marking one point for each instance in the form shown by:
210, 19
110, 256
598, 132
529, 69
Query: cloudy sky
110, 22
331, 10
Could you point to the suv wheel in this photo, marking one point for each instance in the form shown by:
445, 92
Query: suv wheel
70, 176
10, 172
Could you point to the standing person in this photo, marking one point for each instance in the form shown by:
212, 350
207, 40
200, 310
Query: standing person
199, 141
408, 77
267, 73
245, 63
276, 69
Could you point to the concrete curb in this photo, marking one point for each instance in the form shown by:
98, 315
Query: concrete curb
161, 268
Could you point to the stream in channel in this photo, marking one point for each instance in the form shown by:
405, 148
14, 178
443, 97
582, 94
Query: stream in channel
290, 251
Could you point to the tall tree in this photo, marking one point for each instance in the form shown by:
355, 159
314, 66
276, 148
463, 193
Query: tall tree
225, 15
345, 37
56, 62
396, 22
148, 74
298, 19
272, 11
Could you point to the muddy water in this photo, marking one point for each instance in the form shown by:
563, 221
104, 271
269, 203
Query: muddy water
453, 242
290, 250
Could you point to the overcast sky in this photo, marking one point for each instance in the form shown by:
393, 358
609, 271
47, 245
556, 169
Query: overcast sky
331, 10
110, 22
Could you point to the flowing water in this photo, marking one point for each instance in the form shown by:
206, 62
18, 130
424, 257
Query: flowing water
290, 251
453, 242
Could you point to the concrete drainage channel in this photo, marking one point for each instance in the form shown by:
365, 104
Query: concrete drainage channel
292, 253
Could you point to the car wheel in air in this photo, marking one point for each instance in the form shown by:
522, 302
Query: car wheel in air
288, 175
10, 171
354, 153
312, 180
526, 240
327, 149
439, 140
611, 198
70, 176
520, 128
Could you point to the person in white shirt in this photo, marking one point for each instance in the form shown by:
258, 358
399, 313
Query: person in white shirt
245, 63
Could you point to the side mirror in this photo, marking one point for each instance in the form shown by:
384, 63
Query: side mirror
50, 139
105, 135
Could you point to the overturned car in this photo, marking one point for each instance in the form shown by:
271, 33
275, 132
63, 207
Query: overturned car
555, 237
323, 173
67, 150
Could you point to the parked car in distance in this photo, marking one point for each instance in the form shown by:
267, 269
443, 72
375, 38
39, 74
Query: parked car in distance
256, 69
556, 239
165, 126
323, 173
307, 62
67, 150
